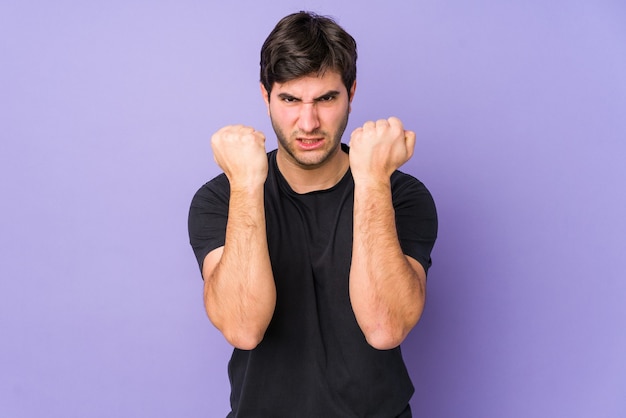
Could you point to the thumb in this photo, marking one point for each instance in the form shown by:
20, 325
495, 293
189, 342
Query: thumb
409, 139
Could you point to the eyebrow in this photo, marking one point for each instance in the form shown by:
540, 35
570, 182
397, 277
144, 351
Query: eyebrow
331, 93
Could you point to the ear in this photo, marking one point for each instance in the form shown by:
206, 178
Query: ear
351, 95
266, 97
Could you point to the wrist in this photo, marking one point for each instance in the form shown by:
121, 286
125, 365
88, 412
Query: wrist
246, 188
372, 182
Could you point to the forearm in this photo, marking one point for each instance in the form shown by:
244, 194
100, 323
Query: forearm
386, 292
239, 292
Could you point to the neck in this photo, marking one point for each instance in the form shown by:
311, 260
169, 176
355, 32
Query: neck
305, 180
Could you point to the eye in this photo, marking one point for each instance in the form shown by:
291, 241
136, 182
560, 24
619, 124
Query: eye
327, 98
289, 99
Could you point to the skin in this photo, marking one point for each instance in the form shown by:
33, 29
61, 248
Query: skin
387, 288
309, 115
239, 290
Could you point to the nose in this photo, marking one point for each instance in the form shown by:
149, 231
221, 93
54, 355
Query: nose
309, 119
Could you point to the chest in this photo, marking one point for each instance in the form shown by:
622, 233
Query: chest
310, 238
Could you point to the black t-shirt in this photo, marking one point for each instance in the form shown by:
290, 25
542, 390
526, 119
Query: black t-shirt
314, 360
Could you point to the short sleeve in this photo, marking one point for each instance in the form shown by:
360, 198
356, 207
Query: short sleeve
208, 216
416, 217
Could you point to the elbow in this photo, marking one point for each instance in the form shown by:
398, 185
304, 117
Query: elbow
244, 340
389, 335
385, 339
245, 337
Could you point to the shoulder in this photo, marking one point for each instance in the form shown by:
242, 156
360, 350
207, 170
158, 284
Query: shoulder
410, 195
403, 183
216, 189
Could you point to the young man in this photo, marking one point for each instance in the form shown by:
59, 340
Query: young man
314, 255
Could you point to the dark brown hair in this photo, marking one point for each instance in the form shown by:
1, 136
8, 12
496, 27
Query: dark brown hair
305, 43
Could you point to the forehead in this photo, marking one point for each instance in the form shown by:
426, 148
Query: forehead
310, 86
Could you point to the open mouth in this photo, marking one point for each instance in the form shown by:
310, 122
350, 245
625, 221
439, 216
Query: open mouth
310, 143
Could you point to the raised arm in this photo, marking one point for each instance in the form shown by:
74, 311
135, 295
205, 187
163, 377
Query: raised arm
239, 290
387, 288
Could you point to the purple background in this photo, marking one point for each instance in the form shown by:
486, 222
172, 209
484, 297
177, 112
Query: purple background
106, 113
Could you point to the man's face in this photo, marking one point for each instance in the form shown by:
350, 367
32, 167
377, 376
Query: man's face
309, 116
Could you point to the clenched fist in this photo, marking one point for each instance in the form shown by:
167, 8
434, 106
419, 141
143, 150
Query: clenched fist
379, 148
240, 152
